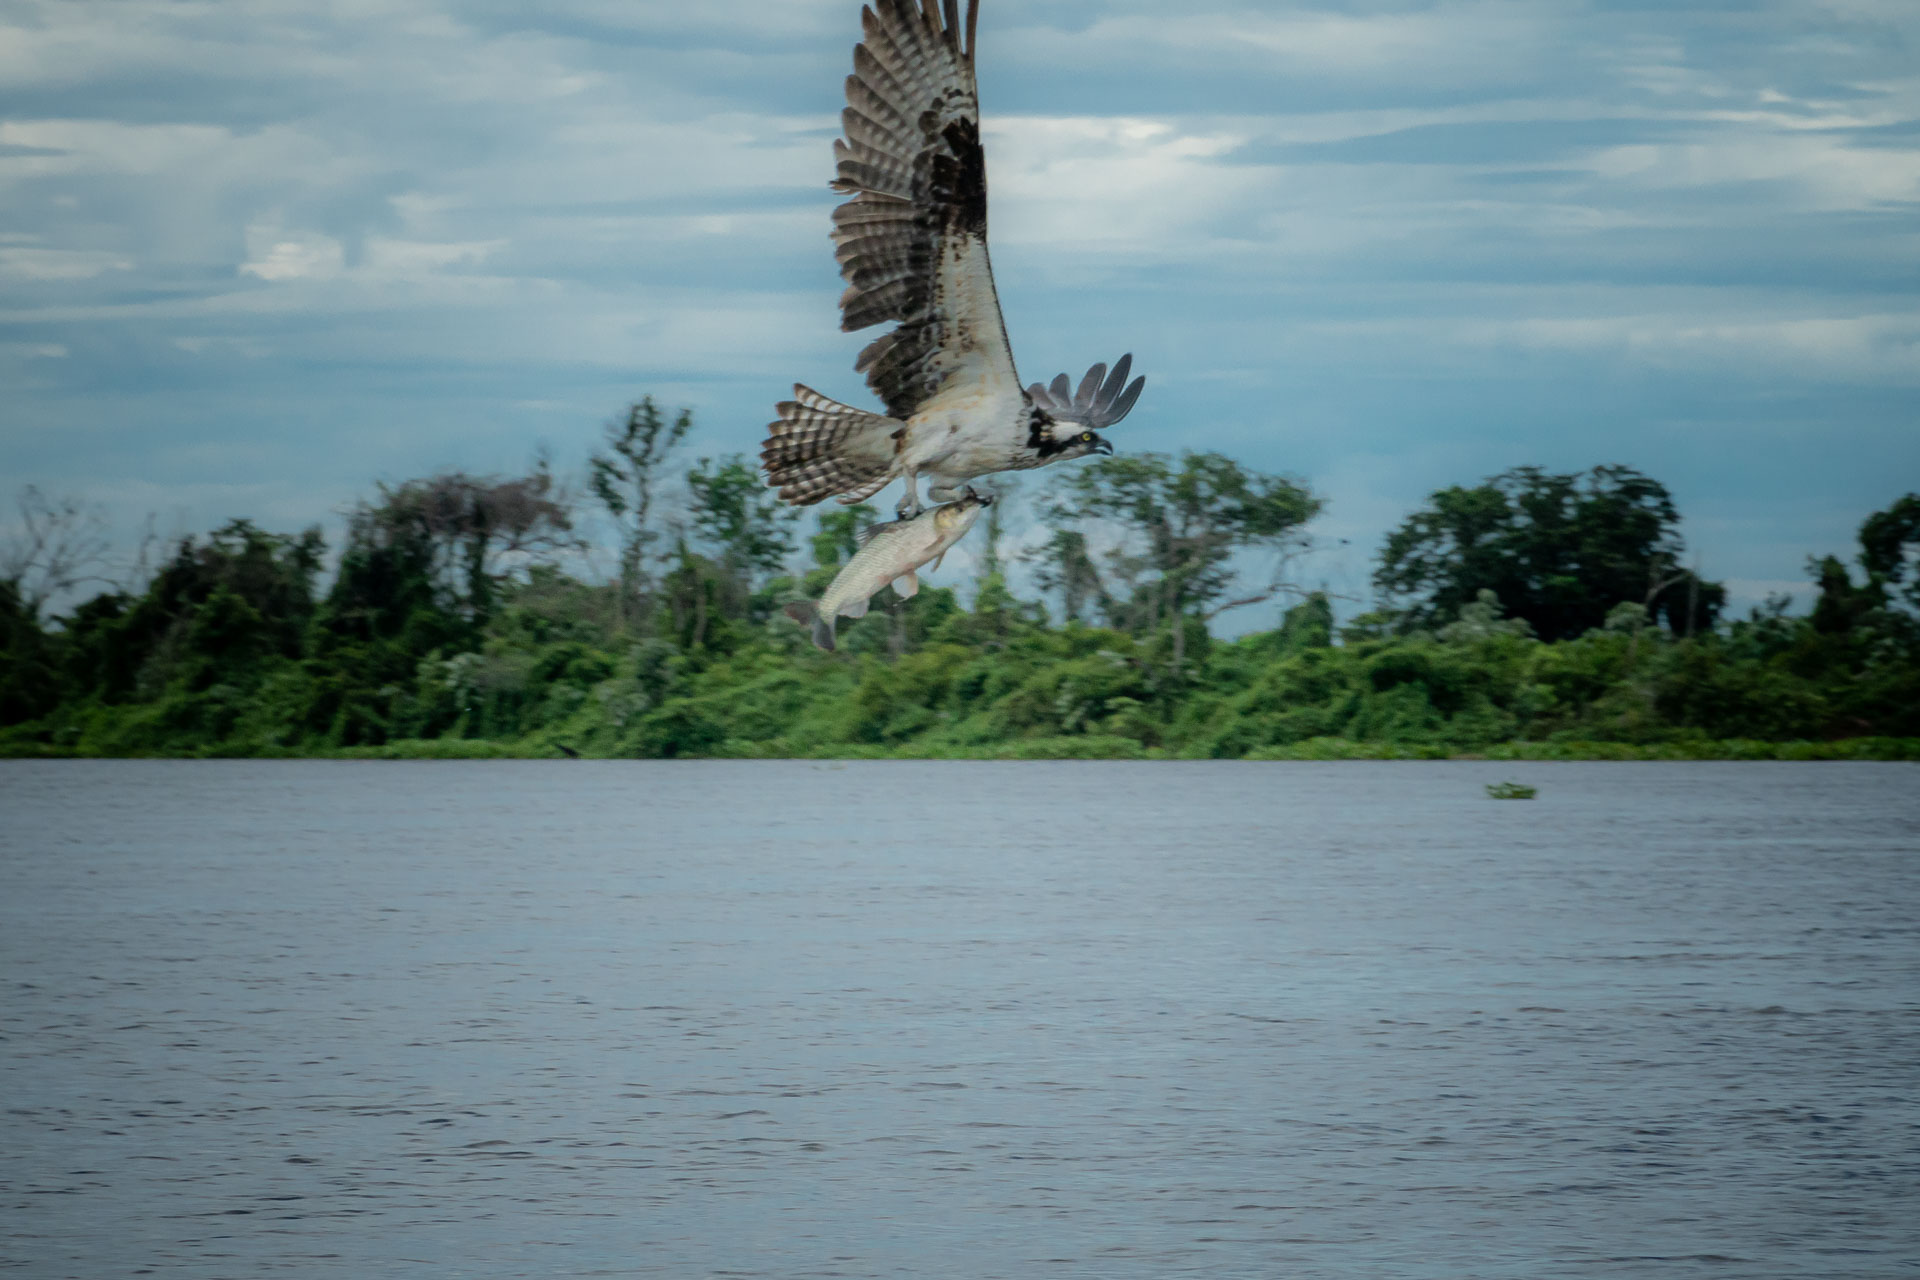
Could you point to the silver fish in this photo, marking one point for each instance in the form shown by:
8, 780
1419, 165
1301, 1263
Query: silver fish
890, 552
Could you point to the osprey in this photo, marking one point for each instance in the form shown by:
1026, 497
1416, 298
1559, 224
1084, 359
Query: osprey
912, 245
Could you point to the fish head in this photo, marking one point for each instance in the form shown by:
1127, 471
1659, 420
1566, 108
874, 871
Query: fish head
956, 517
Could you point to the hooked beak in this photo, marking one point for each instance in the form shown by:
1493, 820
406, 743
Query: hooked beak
1102, 445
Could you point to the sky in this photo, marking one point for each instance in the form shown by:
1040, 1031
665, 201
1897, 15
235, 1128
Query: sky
258, 255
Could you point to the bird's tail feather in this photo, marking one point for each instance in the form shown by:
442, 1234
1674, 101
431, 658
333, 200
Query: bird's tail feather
819, 447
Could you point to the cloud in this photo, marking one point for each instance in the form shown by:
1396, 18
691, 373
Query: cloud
1824, 173
34, 350
28, 263
1104, 185
273, 254
1445, 44
1882, 348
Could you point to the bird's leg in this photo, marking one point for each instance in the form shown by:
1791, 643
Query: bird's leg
942, 492
909, 505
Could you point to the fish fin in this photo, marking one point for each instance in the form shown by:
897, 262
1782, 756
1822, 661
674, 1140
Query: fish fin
865, 535
905, 585
854, 609
937, 559
806, 614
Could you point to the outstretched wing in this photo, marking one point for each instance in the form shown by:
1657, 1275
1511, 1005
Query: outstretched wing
912, 242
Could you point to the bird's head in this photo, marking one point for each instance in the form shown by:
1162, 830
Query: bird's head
1067, 424
1059, 439
1080, 442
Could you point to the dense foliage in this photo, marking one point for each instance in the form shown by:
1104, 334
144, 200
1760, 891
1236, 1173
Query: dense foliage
1558, 550
458, 621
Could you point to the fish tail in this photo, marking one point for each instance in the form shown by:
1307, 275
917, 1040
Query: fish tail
806, 614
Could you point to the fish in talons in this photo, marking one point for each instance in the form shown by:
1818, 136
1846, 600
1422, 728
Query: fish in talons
891, 552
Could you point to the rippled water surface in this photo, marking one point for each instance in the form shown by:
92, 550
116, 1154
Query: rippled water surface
959, 1020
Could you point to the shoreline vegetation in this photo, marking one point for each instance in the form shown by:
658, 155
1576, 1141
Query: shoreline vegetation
1098, 747
1531, 617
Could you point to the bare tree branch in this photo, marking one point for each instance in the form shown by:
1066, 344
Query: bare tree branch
59, 545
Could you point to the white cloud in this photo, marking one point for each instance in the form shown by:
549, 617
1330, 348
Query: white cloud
1471, 43
32, 263
1829, 173
1884, 348
411, 259
722, 22
82, 147
251, 348
273, 254
1083, 184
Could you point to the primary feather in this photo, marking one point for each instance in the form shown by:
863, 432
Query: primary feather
1102, 400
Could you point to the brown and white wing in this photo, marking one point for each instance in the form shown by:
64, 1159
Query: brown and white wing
912, 242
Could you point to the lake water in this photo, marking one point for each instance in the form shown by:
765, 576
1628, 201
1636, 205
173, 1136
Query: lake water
959, 1020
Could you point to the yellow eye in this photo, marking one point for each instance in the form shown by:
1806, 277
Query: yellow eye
1086, 437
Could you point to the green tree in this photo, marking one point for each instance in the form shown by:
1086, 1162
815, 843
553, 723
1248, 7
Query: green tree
1559, 551
1064, 566
1309, 624
623, 476
1842, 607
837, 534
214, 613
1889, 541
29, 678
735, 512
1890, 547
386, 587
472, 529
994, 527
422, 574
1176, 527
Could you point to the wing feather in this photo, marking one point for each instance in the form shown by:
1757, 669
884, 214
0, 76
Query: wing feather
880, 85
881, 241
1090, 384
1097, 403
878, 173
865, 490
875, 136
862, 306
874, 211
912, 240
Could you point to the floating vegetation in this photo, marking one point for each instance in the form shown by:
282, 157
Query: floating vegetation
1510, 791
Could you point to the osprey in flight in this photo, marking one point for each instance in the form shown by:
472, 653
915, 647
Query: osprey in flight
912, 244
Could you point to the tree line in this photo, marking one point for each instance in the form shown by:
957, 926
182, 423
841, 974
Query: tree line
1532, 612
